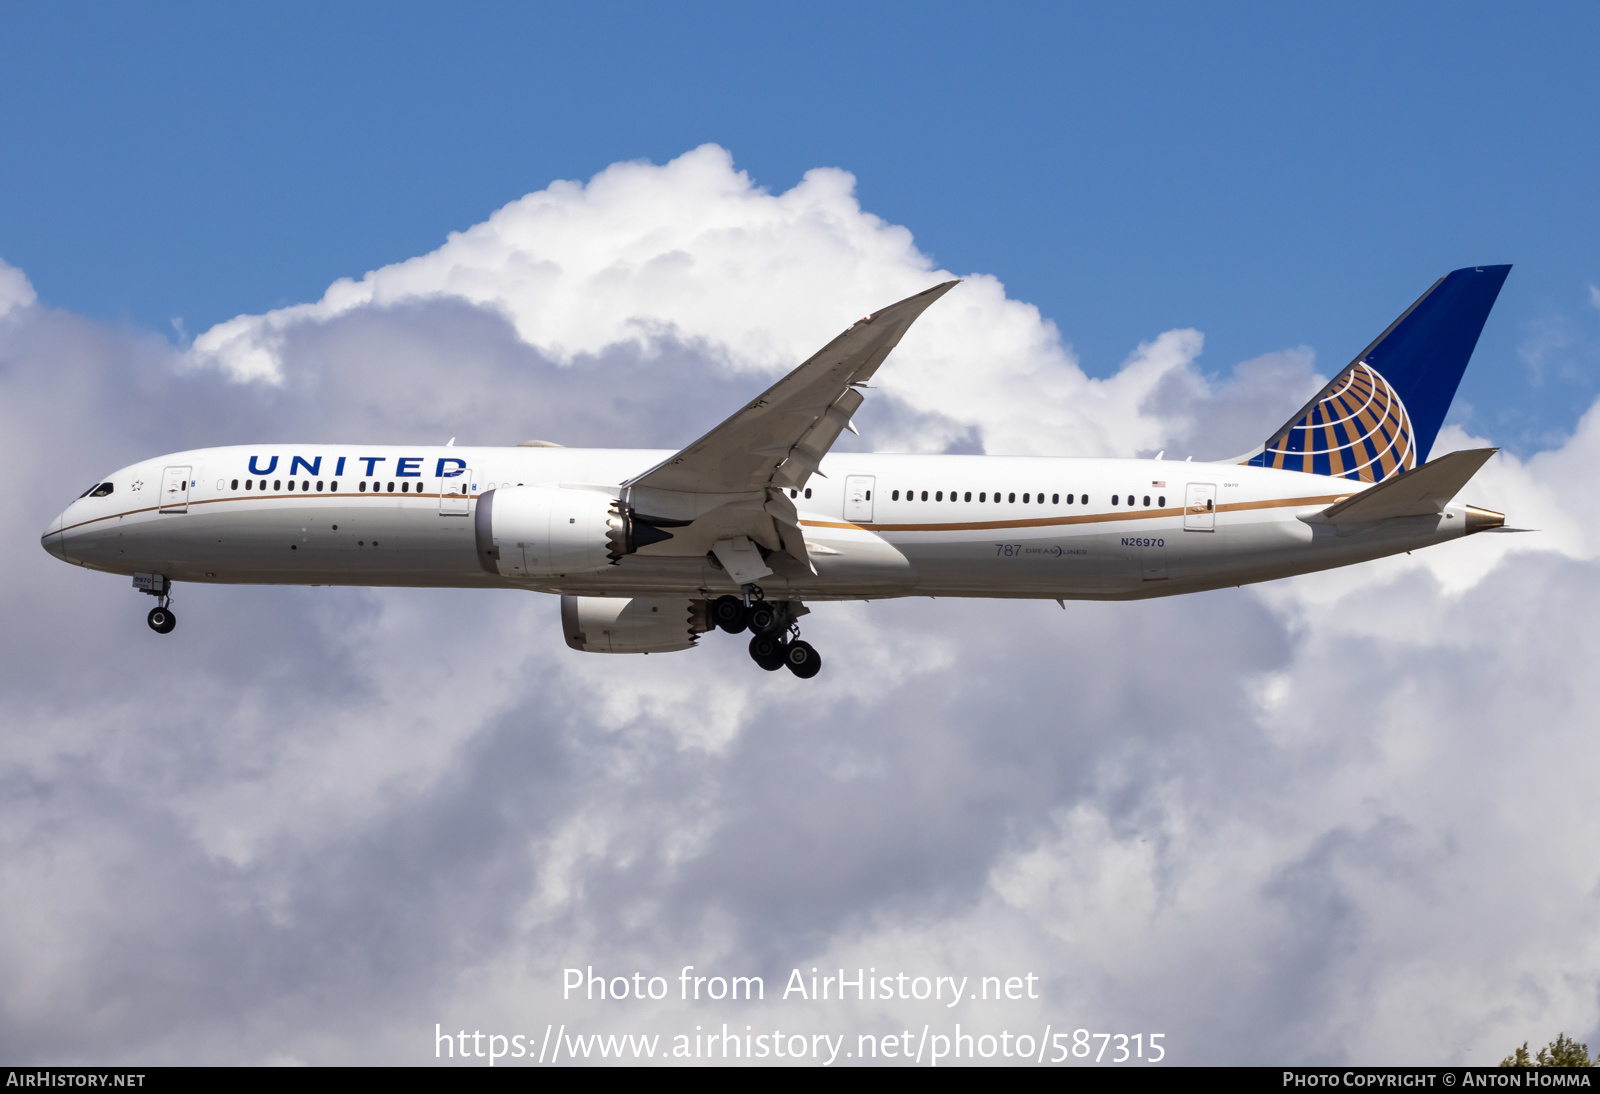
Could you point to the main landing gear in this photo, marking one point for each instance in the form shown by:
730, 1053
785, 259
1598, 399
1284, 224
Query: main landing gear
161, 619
775, 642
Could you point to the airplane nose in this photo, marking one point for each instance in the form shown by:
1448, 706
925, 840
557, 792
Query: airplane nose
53, 541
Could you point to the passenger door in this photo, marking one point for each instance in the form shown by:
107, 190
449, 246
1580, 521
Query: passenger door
455, 494
858, 498
1200, 507
175, 490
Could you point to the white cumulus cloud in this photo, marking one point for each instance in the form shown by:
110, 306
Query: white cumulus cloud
695, 252
15, 290
1344, 818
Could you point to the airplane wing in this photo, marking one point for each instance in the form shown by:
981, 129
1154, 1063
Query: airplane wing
779, 439
1422, 491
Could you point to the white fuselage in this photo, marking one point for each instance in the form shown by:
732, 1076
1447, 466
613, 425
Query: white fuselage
990, 526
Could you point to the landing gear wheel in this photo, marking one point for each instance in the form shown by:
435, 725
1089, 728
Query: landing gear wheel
803, 659
768, 651
161, 620
765, 618
729, 613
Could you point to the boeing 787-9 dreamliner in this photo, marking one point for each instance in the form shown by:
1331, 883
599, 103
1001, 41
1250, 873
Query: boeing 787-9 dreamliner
648, 550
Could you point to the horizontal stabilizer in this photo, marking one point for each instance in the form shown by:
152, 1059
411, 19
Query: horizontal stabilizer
1422, 491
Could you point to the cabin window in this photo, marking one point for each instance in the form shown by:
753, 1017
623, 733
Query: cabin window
1147, 501
405, 488
363, 486
277, 484
391, 488
983, 496
938, 495
1069, 499
235, 485
248, 483
895, 496
319, 486
1011, 497
1208, 505
334, 486
1114, 498
967, 496
306, 485
1162, 501
924, 495
808, 491
1085, 499
794, 493
869, 498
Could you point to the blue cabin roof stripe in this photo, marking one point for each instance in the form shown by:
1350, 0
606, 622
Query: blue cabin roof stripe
1381, 413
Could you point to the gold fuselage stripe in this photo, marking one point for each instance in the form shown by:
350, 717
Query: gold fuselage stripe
948, 526
1086, 518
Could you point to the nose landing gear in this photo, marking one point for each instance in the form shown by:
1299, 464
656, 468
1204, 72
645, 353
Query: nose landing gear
161, 617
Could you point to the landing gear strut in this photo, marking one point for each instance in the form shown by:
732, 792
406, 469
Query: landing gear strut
161, 617
776, 642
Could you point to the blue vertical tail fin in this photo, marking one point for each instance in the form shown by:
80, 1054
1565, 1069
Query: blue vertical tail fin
1379, 416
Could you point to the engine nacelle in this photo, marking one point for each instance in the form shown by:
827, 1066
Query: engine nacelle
602, 624
542, 531
547, 531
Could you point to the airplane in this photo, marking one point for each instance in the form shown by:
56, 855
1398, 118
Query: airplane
742, 529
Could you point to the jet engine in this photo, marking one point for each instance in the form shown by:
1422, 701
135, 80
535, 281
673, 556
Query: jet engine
600, 624
547, 531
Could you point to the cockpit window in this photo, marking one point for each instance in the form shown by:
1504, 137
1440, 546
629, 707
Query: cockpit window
100, 491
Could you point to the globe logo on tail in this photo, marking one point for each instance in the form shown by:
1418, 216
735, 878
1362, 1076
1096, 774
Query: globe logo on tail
1358, 430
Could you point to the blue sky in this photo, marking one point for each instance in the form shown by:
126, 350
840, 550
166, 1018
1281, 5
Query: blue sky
1342, 818
1271, 175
